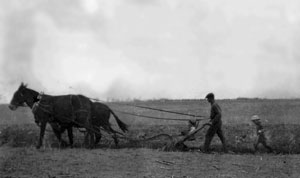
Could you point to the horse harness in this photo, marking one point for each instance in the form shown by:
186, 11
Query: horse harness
47, 108
38, 105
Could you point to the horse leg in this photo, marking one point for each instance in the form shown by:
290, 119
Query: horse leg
70, 135
42, 133
97, 135
86, 139
115, 139
114, 136
58, 131
108, 128
89, 140
92, 139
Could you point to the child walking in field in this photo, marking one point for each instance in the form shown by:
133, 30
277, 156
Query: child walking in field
261, 138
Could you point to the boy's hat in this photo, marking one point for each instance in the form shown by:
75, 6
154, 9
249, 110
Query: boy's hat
193, 122
255, 118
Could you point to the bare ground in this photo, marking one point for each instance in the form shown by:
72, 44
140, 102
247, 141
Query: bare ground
20, 158
49, 162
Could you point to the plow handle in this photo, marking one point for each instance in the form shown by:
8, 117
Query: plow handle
193, 133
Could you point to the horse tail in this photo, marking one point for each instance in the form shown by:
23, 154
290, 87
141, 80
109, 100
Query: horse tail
121, 124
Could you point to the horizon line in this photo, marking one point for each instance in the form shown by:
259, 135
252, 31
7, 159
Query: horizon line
185, 99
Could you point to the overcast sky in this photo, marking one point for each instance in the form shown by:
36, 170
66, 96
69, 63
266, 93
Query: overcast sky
149, 49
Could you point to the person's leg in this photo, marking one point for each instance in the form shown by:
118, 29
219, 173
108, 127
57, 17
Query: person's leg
256, 145
208, 137
222, 138
269, 148
263, 141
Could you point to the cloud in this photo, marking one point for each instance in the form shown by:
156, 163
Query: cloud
77, 57
151, 49
91, 6
106, 8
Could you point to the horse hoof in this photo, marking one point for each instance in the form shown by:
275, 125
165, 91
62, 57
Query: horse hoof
90, 146
63, 143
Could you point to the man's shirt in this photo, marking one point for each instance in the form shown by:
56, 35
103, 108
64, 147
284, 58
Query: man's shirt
215, 113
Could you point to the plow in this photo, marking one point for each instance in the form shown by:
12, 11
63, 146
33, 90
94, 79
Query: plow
171, 142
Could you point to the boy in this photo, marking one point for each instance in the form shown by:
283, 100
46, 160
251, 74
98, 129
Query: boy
260, 134
192, 125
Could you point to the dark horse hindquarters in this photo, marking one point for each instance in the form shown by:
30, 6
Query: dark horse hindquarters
101, 114
100, 117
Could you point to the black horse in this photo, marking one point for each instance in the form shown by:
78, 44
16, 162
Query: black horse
100, 114
66, 110
100, 118
50, 110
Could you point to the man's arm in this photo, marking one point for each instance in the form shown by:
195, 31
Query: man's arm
216, 114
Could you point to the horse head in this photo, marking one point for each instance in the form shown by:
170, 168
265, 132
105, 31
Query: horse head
22, 96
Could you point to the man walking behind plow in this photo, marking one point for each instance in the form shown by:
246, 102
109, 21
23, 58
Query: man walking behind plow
216, 124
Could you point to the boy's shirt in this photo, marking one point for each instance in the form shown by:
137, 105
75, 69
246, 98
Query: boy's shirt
192, 129
259, 129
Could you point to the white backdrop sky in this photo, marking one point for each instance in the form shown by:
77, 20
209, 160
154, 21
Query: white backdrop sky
150, 49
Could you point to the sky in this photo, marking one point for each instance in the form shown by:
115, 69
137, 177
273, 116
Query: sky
151, 49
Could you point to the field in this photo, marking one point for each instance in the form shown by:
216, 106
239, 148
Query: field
19, 134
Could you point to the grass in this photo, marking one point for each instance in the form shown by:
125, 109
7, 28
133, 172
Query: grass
282, 138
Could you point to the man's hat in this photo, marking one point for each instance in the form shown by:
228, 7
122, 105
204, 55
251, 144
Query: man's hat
255, 118
210, 95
